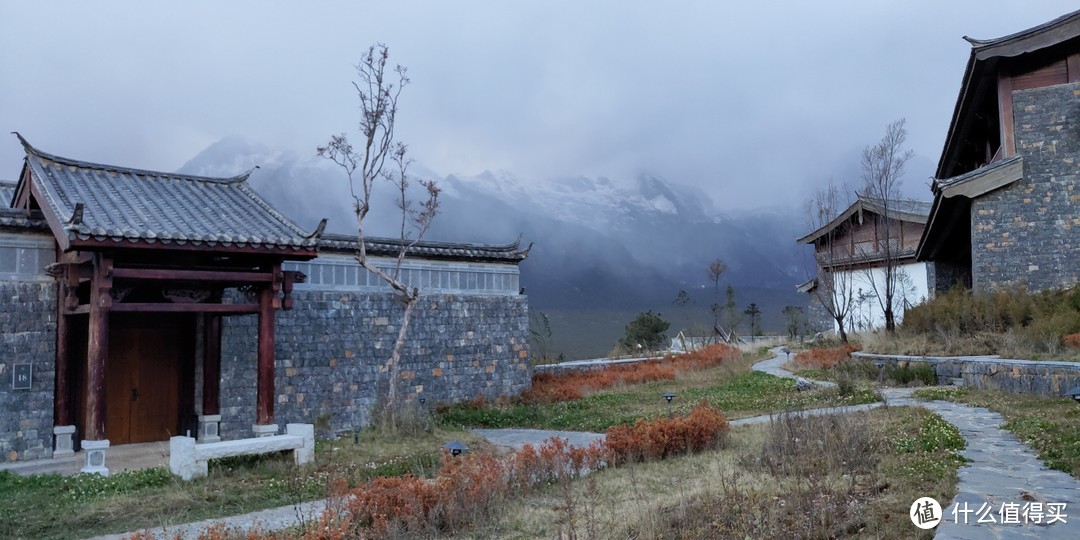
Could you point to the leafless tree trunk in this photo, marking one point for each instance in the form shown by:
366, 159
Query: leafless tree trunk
378, 95
714, 271
832, 261
882, 169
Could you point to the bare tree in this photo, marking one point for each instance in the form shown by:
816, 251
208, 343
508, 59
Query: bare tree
882, 172
833, 261
714, 271
378, 93
753, 311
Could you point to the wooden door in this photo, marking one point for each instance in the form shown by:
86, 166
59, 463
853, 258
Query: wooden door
147, 359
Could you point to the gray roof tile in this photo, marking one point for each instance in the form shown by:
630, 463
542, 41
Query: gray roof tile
390, 247
122, 203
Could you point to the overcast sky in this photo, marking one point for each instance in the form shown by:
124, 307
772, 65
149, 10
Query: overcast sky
754, 102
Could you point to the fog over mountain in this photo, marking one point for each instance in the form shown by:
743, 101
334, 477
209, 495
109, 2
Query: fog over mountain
601, 245
598, 242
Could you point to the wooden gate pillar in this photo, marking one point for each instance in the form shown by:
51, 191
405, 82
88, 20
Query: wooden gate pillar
268, 304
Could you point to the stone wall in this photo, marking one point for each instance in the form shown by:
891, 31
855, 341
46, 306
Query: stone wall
818, 318
27, 336
944, 275
331, 351
1028, 233
1019, 376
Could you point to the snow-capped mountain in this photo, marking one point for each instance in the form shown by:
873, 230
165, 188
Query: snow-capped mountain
599, 242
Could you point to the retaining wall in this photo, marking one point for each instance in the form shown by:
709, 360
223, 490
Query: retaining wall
1018, 376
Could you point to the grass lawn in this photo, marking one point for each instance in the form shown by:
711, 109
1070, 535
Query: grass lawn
743, 394
52, 506
1050, 425
734, 389
839, 476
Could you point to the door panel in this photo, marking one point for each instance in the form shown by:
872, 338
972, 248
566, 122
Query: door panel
146, 356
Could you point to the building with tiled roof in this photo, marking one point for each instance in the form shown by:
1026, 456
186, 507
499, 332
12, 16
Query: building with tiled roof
1006, 210
136, 305
850, 258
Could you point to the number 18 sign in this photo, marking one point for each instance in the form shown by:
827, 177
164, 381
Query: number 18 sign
21, 376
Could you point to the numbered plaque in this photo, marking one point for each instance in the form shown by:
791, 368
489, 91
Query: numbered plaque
21, 375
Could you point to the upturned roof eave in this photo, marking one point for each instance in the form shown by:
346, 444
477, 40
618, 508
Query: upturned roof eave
984, 56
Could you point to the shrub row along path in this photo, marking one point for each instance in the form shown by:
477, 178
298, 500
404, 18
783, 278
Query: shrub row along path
1001, 472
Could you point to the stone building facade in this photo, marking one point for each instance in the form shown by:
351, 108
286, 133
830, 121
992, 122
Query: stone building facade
1028, 233
333, 346
98, 301
27, 348
1006, 209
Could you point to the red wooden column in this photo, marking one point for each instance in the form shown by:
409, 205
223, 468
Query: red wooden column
66, 300
61, 407
268, 303
211, 400
97, 350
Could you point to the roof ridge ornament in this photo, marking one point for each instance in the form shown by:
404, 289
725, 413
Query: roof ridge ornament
77, 215
318, 230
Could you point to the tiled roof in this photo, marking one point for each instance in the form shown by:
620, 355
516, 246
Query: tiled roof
899, 209
388, 247
132, 205
906, 209
16, 219
7, 192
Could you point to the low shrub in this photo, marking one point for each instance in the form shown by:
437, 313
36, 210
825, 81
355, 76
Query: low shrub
574, 385
704, 428
825, 357
1071, 340
466, 490
1008, 322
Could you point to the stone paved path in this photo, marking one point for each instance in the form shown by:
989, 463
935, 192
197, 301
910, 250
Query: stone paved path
1002, 472
264, 520
518, 438
774, 366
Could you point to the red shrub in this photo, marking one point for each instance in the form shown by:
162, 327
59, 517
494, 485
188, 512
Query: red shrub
823, 358
1071, 340
570, 386
657, 439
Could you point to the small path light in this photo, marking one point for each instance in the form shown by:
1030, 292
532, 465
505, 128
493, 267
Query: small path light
669, 396
1075, 394
456, 448
880, 365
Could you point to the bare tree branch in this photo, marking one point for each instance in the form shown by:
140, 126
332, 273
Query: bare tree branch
883, 168
378, 95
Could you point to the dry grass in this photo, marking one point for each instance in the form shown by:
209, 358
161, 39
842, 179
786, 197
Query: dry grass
1009, 323
846, 476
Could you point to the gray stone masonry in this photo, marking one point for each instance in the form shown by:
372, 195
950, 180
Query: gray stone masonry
1028, 234
332, 348
27, 336
992, 373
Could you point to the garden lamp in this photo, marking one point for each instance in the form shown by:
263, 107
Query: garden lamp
880, 365
669, 396
456, 448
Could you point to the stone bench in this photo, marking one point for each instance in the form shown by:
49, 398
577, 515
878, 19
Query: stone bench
188, 459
